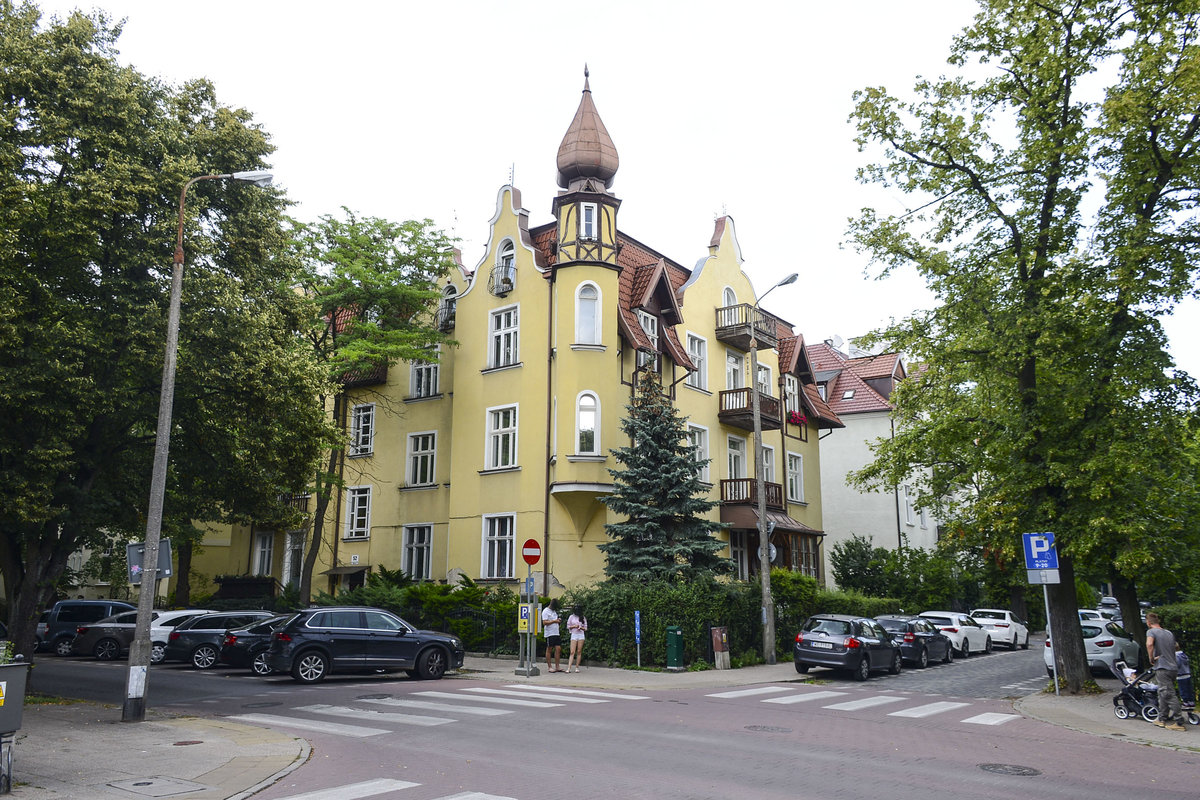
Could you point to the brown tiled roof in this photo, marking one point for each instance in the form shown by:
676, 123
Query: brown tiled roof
826, 418
851, 376
884, 365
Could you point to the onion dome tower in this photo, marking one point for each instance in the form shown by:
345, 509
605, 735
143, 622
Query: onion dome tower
586, 211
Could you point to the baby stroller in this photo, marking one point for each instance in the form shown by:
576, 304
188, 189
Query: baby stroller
1139, 696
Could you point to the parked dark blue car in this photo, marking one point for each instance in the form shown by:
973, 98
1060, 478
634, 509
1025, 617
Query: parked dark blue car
920, 640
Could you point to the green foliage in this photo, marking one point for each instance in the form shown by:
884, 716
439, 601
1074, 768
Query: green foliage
658, 492
837, 602
859, 566
1183, 620
917, 579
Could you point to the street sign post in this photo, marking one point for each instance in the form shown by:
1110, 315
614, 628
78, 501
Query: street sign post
1041, 566
530, 613
637, 635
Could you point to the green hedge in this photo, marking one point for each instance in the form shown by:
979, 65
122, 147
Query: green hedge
1183, 620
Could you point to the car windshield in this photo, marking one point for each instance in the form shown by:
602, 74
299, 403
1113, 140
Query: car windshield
984, 614
894, 625
835, 627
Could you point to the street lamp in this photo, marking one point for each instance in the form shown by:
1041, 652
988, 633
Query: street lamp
764, 532
134, 709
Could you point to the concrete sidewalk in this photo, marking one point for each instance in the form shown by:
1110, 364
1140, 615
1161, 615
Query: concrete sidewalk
83, 750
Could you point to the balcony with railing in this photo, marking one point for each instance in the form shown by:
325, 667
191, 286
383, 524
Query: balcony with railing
744, 492
737, 409
734, 326
502, 279
445, 317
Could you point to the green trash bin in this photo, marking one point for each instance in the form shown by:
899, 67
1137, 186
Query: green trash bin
674, 647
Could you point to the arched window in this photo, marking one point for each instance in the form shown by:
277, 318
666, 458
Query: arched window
587, 424
587, 314
730, 297
504, 274
447, 309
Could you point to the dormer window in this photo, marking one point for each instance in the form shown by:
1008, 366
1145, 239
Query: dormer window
649, 324
589, 226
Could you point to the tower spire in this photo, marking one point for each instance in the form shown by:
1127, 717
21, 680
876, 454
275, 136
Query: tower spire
587, 152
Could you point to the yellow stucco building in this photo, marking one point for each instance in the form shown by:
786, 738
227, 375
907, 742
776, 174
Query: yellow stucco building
452, 466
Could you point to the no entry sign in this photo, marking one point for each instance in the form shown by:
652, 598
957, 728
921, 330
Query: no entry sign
531, 551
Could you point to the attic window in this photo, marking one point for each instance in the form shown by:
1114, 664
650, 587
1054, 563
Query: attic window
587, 221
848, 394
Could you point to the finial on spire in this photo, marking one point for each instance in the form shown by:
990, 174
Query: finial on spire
586, 87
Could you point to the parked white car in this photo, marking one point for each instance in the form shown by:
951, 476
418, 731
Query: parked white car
1005, 628
967, 635
1093, 614
1104, 643
163, 623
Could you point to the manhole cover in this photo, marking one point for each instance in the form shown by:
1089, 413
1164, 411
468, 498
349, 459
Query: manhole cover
767, 729
158, 786
187, 742
1010, 769
373, 697
261, 705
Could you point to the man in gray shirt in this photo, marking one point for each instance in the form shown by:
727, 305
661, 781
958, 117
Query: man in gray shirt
1160, 646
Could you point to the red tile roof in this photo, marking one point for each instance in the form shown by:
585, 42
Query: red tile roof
851, 376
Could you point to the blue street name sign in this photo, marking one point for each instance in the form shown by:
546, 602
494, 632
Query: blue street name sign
637, 626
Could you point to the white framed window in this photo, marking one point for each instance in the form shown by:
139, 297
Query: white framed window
447, 308
362, 429
501, 438
424, 378
293, 562
924, 518
504, 350
737, 457
587, 314
698, 351
422, 458
417, 547
822, 390
698, 439
795, 477
764, 379
358, 512
791, 393
499, 538
735, 370
589, 222
264, 552
768, 465
649, 324
729, 297
587, 424
505, 275
907, 498
737, 552
848, 394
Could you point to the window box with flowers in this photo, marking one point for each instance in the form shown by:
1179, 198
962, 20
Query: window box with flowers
796, 418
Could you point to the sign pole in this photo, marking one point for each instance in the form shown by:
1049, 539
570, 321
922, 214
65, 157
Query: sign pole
1041, 566
527, 623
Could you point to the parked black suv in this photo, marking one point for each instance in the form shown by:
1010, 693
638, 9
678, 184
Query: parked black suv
318, 641
56, 627
198, 640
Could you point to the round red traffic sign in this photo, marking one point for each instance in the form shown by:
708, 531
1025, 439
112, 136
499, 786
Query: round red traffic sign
531, 551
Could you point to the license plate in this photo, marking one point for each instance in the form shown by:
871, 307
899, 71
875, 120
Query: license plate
823, 645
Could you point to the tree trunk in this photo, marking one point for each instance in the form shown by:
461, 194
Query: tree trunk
1017, 604
183, 573
1131, 614
1065, 632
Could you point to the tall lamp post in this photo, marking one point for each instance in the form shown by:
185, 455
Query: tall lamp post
134, 709
764, 532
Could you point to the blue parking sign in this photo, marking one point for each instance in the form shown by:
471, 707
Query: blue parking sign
1039, 551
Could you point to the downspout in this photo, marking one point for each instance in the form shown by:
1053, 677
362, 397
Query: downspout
337, 506
549, 428
250, 550
896, 492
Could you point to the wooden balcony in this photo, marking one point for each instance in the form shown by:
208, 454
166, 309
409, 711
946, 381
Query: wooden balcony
744, 492
733, 327
737, 409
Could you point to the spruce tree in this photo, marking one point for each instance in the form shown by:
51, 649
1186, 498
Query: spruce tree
658, 491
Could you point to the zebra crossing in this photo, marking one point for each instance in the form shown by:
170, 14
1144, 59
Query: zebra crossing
375, 716
792, 695
378, 786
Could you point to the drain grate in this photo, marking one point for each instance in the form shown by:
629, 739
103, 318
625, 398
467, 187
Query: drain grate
1010, 769
767, 729
373, 697
158, 786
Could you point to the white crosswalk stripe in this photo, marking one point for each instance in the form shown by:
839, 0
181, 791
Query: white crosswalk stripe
425, 705
992, 718
556, 690
355, 790
928, 710
757, 690
475, 796
507, 701
803, 698
483, 690
370, 715
273, 720
866, 702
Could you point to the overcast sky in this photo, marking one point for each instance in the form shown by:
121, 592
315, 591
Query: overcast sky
402, 109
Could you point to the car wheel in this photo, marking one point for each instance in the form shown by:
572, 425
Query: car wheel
204, 657
949, 659
1025, 644
107, 649
896, 666
1121, 711
431, 664
965, 650
987, 645
1149, 713
801, 668
158, 652
863, 670
62, 647
259, 665
923, 658
310, 667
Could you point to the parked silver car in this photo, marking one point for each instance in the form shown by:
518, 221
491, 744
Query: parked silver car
1105, 643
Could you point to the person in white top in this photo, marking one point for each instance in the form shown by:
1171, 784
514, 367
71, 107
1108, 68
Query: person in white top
577, 627
550, 620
